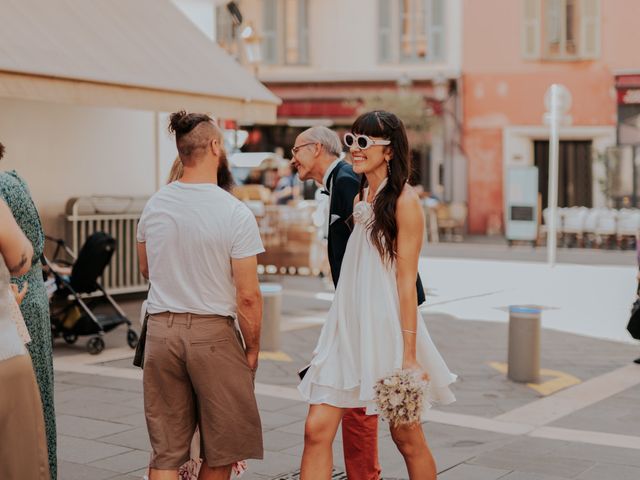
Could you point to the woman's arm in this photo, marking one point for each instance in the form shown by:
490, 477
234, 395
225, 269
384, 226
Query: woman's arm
16, 193
410, 222
14, 245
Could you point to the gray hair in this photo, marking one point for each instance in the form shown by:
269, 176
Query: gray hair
325, 137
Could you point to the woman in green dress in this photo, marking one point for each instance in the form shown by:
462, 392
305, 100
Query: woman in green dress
35, 306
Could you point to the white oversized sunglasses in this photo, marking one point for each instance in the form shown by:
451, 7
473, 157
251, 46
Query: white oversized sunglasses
362, 141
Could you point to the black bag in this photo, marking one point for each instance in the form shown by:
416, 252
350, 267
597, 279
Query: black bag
634, 322
138, 358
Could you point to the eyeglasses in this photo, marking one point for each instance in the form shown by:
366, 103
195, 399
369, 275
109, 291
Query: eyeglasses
295, 150
362, 141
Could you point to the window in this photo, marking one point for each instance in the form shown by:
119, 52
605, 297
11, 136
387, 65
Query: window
561, 29
285, 32
411, 31
224, 29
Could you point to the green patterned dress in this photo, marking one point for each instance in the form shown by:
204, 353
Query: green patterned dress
35, 306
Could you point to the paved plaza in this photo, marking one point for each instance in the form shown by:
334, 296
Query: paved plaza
582, 421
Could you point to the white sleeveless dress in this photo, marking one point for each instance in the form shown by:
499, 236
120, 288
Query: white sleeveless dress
361, 341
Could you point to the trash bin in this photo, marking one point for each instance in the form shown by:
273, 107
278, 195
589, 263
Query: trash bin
271, 313
524, 344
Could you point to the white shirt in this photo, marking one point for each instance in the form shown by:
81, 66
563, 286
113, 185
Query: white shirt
328, 173
191, 233
325, 180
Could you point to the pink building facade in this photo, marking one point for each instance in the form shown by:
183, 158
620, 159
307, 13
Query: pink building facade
509, 61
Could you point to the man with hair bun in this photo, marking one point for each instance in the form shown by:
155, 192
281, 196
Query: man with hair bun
197, 245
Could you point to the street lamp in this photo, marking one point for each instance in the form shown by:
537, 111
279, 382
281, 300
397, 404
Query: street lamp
557, 99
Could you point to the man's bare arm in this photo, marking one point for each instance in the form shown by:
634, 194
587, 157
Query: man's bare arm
249, 300
142, 259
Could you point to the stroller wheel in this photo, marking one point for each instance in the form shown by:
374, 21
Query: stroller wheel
70, 338
132, 338
95, 345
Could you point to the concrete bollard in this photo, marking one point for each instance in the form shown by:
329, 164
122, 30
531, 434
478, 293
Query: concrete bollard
271, 313
524, 344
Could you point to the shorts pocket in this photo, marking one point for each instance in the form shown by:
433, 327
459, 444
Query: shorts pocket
207, 342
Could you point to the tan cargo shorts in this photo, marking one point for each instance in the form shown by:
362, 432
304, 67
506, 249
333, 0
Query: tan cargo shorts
196, 372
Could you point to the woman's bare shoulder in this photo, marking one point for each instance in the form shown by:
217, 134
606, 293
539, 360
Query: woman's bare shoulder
408, 198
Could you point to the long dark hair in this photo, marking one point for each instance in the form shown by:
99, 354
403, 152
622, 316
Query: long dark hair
383, 227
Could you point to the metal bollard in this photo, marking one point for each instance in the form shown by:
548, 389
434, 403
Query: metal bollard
524, 344
271, 312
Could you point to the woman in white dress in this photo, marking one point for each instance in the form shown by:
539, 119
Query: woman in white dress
374, 327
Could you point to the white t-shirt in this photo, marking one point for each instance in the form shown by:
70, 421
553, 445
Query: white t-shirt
191, 233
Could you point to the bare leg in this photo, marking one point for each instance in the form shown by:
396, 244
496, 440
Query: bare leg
163, 474
319, 431
214, 473
412, 445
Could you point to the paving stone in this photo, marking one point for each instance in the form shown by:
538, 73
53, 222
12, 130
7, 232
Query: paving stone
554, 465
87, 428
618, 414
78, 450
300, 410
502, 459
273, 420
619, 472
297, 428
99, 381
272, 404
125, 463
276, 441
474, 472
136, 438
77, 471
93, 409
135, 419
530, 476
600, 453
274, 463
103, 395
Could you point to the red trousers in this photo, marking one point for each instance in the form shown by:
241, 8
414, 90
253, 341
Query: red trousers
360, 444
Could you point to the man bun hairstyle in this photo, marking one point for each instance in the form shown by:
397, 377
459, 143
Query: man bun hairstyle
181, 123
194, 132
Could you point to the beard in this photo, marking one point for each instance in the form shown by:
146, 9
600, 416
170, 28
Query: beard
225, 178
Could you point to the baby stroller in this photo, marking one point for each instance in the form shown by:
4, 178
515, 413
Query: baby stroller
72, 305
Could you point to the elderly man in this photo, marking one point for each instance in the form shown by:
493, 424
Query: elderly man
198, 246
316, 155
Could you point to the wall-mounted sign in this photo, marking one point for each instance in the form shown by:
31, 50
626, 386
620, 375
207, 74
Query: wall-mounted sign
628, 96
628, 92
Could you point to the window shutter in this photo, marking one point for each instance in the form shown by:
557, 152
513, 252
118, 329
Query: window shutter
436, 30
270, 31
531, 29
590, 29
303, 32
385, 49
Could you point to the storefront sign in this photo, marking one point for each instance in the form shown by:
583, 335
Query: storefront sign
629, 96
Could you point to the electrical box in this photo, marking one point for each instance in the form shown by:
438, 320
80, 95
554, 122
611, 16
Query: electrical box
522, 204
